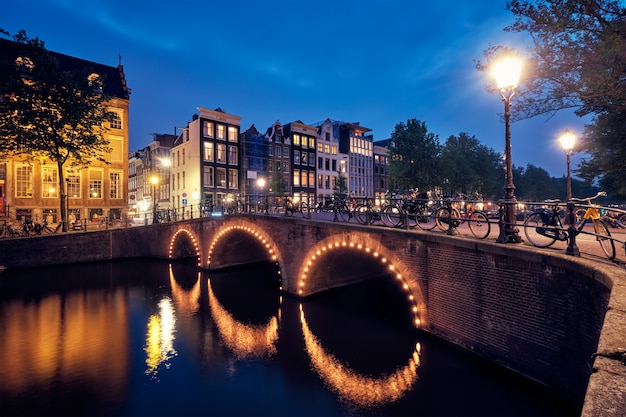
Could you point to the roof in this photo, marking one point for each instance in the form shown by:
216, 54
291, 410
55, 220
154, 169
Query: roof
115, 81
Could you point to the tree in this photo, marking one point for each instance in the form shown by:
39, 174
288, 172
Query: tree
278, 183
341, 184
51, 114
469, 167
577, 60
414, 156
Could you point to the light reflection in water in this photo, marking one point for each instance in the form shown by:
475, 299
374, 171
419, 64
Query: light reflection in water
355, 388
160, 337
186, 301
244, 340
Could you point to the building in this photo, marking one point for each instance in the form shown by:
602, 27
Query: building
381, 170
206, 161
331, 164
278, 154
149, 176
360, 150
30, 189
254, 163
303, 140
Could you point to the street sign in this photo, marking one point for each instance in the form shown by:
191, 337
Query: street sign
184, 201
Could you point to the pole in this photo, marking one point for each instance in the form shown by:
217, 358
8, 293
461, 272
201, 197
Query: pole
569, 178
511, 233
154, 206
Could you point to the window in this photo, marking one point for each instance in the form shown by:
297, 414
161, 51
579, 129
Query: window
296, 177
319, 179
334, 162
285, 152
221, 132
183, 179
73, 184
334, 150
327, 181
303, 158
117, 149
116, 120
311, 159
311, 179
221, 177
296, 157
320, 147
327, 164
285, 166
95, 183
232, 134
49, 182
233, 155
305, 182
183, 157
23, 181
327, 148
115, 191
320, 162
233, 179
278, 152
207, 129
207, 177
221, 153
296, 139
312, 142
208, 152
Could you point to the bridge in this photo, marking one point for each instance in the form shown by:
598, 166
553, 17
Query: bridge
546, 315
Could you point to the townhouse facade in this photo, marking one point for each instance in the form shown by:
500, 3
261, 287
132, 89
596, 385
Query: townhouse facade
29, 189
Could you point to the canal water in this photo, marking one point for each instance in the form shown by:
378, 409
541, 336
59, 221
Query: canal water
149, 338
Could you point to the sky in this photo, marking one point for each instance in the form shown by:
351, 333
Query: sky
376, 62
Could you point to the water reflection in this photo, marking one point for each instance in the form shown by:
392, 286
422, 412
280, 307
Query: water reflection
160, 337
361, 390
244, 340
185, 300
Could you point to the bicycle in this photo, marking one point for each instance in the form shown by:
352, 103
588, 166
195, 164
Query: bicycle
418, 210
366, 213
543, 226
476, 220
290, 208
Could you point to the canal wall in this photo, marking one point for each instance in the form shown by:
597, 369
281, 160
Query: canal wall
549, 316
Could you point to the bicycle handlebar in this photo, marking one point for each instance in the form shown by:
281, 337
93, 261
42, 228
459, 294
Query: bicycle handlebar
588, 199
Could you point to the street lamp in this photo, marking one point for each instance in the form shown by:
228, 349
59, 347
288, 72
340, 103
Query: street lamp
260, 183
507, 72
154, 180
567, 142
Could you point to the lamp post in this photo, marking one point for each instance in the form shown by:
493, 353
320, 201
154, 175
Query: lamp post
154, 181
507, 72
260, 184
567, 142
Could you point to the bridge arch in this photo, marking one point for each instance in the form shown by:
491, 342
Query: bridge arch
364, 244
177, 238
269, 247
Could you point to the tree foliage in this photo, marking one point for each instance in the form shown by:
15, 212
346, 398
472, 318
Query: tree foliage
577, 60
50, 114
468, 167
414, 156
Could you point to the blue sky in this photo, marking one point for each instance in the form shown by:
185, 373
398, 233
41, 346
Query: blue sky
377, 62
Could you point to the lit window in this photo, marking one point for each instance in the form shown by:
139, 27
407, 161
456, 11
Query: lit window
233, 179
232, 134
207, 129
116, 119
320, 147
312, 179
73, 184
296, 139
305, 179
221, 153
95, 183
116, 185
221, 177
208, 177
334, 150
312, 142
116, 145
208, 151
296, 177
221, 131
327, 148
49, 182
24, 181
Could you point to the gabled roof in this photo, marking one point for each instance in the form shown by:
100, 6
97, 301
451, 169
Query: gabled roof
115, 81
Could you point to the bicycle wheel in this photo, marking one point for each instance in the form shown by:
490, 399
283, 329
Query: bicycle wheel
304, 207
442, 216
360, 213
479, 224
621, 220
604, 239
426, 217
343, 212
391, 216
533, 226
289, 210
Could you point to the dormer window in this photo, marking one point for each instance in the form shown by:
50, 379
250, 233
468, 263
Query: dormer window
95, 82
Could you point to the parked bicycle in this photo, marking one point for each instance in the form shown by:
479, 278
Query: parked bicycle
544, 226
290, 208
417, 210
477, 221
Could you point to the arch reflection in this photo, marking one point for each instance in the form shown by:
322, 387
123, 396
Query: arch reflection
160, 337
350, 386
186, 301
244, 340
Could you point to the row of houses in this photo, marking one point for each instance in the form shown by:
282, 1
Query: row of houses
210, 159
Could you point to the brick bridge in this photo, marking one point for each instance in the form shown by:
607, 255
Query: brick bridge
540, 314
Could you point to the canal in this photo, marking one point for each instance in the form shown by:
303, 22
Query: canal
145, 337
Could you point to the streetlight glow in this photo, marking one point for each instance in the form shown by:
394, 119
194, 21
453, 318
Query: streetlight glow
567, 142
507, 72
